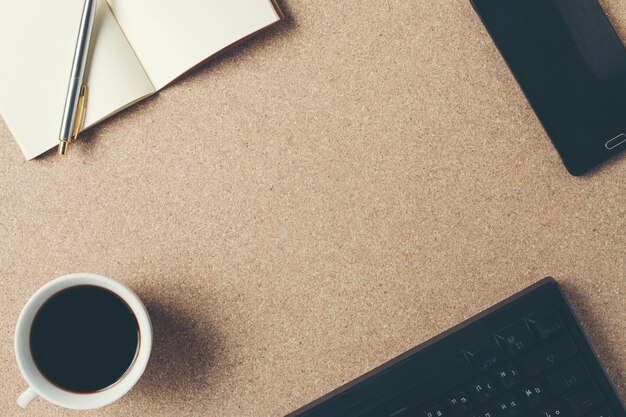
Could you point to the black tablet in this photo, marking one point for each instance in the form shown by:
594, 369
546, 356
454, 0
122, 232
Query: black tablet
571, 64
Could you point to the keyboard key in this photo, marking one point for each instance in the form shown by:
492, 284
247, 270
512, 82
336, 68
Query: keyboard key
401, 392
509, 406
456, 372
435, 410
546, 356
534, 394
483, 412
484, 355
507, 376
584, 399
397, 406
403, 412
603, 412
459, 403
570, 376
484, 389
395, 399
551, 410
546, 323
515, 339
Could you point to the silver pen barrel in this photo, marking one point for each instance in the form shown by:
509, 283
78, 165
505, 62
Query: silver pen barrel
75, 87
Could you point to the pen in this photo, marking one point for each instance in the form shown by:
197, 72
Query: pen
76, 100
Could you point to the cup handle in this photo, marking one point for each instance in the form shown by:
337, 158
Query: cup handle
27, 397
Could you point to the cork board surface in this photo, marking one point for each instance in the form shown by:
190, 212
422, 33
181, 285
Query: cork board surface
312, 204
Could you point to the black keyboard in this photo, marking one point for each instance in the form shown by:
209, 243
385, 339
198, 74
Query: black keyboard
526, 356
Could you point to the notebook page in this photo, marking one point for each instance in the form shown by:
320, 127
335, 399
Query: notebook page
37, 45
170, 37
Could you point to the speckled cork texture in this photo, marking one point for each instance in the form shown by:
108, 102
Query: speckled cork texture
313, 203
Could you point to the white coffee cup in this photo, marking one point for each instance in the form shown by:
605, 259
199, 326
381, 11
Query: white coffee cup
39, 386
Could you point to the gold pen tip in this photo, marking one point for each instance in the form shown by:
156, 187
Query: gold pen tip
63, 147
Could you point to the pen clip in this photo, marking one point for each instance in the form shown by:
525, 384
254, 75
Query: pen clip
81, 109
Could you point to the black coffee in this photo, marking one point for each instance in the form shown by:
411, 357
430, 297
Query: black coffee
84, 338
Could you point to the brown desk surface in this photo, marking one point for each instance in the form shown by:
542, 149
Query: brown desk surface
312, 204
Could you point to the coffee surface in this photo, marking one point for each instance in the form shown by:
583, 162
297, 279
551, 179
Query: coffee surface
84, 338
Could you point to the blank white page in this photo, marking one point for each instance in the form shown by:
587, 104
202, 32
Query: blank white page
171, 36
37, 43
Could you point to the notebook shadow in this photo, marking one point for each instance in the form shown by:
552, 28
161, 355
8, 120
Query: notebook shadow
183, 352
282, 4
601, 342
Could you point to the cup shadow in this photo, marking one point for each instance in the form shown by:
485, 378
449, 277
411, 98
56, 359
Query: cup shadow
593, 329
183, 352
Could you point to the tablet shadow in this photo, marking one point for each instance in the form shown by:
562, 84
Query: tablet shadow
183, 352
600, 341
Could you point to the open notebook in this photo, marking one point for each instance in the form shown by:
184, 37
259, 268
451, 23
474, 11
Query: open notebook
138, 47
